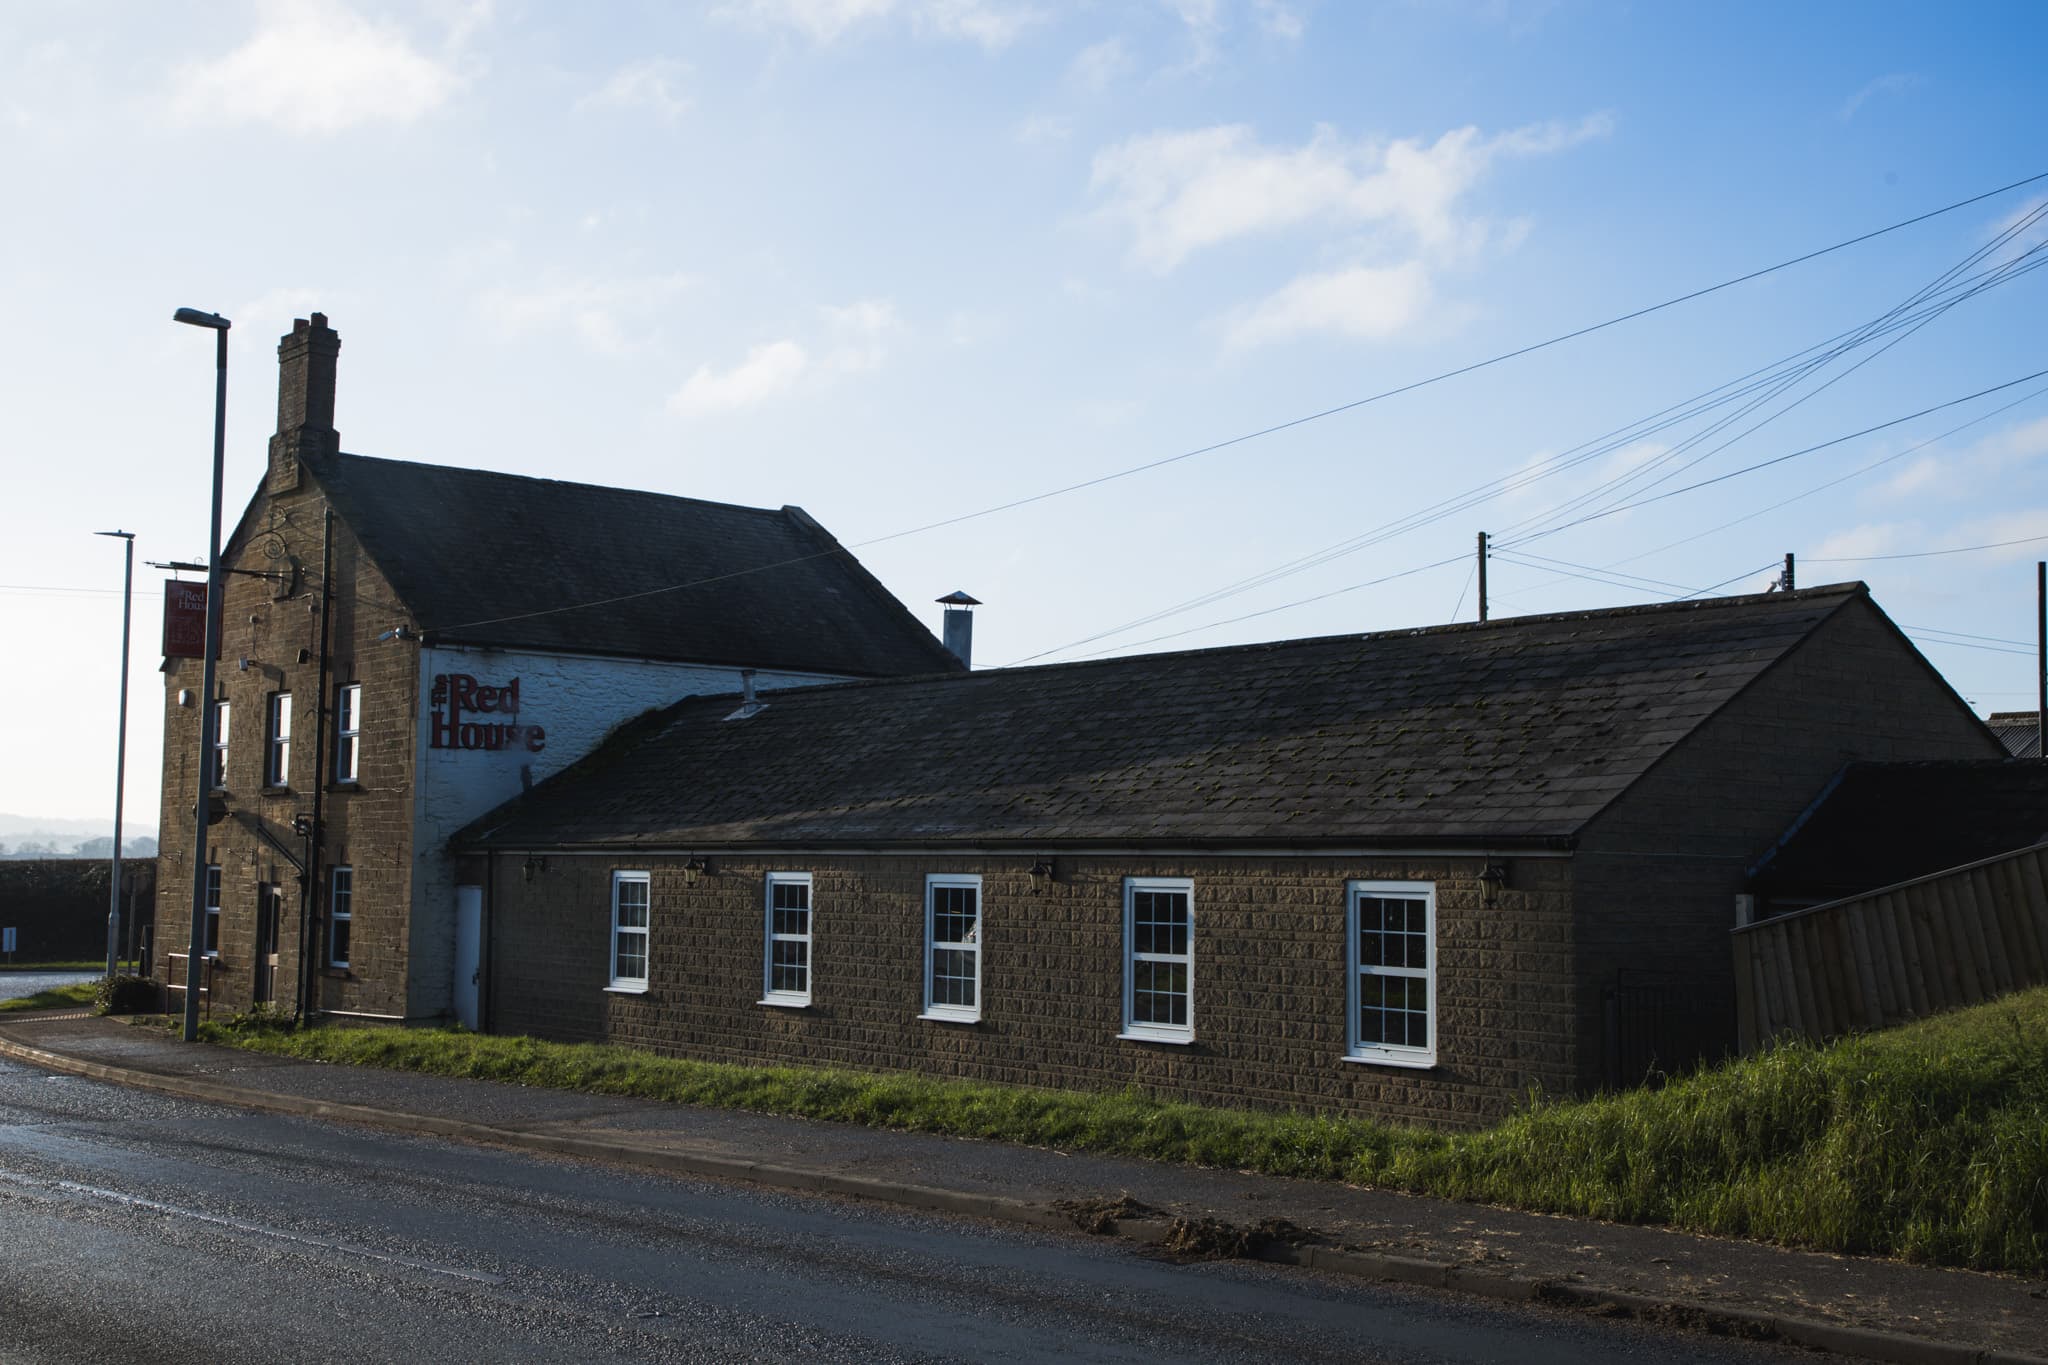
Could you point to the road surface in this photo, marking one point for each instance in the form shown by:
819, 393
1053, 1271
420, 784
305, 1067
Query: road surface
140, 1227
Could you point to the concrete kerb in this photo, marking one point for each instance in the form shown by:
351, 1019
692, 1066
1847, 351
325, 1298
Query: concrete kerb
1896, 1348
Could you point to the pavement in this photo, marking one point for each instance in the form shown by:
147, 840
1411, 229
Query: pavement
1862, 1306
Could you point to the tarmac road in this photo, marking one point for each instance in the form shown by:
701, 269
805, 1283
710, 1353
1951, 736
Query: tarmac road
142, 1227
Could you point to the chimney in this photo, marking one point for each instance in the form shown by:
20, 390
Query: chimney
305, 400
959, 627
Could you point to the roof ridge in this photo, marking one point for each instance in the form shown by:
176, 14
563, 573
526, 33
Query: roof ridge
471, 471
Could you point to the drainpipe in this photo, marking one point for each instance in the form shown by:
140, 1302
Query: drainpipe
309, 894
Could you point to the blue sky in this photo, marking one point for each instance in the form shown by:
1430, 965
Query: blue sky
898, 261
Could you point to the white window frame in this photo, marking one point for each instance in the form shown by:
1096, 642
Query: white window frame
952, 1013
788, 999
221, 716
211, 941
348, 730
1383, 1053
341, 897
1154, 1032
632, 985
277, 755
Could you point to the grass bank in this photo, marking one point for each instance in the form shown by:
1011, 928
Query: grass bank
78, 995
1928, 1141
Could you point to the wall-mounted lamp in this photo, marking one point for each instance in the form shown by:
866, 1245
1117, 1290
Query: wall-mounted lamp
399, 632
532, 868
695, 868
1042, 875
1492, 882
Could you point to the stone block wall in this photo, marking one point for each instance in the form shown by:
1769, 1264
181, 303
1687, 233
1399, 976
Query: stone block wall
1269, 992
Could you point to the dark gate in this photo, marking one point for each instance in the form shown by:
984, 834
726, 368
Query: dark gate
1661, 1025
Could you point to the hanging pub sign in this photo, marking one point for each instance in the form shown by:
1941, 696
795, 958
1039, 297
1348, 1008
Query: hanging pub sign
184, 620
458, 696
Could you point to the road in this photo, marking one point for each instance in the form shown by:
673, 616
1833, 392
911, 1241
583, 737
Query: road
139, 1227
19, 983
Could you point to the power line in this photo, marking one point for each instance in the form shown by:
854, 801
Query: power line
1929, 554
1987, 639
1278, 427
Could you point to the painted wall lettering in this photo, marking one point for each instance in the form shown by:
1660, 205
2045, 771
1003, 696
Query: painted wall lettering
457, 695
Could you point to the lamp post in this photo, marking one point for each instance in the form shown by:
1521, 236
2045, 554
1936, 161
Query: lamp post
196, 954
127, 539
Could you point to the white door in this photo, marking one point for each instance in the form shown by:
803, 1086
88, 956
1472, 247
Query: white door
469, 923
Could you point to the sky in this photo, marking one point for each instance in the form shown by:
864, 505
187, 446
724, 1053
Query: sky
915, 265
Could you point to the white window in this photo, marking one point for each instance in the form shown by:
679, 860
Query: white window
1393, 972
213, 907
340, 913
787, 962
1159, 959
278, 769
220, 744
629, 931
952, 956
348, 731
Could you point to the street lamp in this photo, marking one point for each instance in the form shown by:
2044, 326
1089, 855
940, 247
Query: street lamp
196, 954
127, 539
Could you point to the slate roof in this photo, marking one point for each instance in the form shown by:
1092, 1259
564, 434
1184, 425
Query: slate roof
1879, 824
1513, 730
480, 557
2018, 731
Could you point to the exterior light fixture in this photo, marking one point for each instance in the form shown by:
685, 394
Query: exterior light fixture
695, 868
532, 868
1042, 875
1492, 882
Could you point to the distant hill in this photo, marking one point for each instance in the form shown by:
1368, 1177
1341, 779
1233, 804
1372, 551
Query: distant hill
46, 836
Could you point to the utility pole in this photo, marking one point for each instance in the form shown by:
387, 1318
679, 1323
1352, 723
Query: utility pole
127, 539
1482, 575
1785, 580
2041, 657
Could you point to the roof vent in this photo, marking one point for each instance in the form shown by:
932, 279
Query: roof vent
959, 626
750, 706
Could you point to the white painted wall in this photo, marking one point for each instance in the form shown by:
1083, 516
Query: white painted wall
578, 700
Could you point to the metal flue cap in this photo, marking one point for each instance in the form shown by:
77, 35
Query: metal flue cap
956, 598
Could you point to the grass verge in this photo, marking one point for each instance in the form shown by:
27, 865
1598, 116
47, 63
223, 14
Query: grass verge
80, 965
79, 994
1928, 1141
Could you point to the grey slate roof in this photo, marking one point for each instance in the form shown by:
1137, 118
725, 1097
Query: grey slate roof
2018, 731
480, 557
1514, 730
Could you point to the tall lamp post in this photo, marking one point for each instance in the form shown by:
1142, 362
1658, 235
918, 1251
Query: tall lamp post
127, 539
196, 955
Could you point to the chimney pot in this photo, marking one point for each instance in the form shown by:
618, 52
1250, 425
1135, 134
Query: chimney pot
958, 634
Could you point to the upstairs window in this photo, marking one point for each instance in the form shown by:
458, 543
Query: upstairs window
1393, 973
277, 768
220, 745
630, 916
348, 731
340, 914
787, 966
1159, 959
952, 959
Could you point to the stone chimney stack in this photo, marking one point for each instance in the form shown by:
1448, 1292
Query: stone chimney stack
305, 400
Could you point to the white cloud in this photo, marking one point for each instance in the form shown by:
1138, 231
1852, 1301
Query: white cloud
990, 24
597, 312
269, 315
1879, 538
1180, 193
1897, 83
860, 333
1279, 19
650, 85
2028, 525
1968, 472
315, 68
1040, 130
1099, 65
769, 370
1361, 301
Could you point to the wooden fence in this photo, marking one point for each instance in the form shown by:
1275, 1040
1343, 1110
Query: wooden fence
1898, 953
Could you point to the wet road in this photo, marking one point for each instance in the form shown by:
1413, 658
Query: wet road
16, 984
142, 1227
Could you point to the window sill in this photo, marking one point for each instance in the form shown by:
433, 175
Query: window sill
340, 973
785, 1002
270, 790
345, 784
1175, 1039
626, 988
938, 1017
1415, 1063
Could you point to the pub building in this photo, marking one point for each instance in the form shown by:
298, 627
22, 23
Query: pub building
405, 646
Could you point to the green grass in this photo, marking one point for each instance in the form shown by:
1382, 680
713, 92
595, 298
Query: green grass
1928, 1141
67, 966
78, 994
